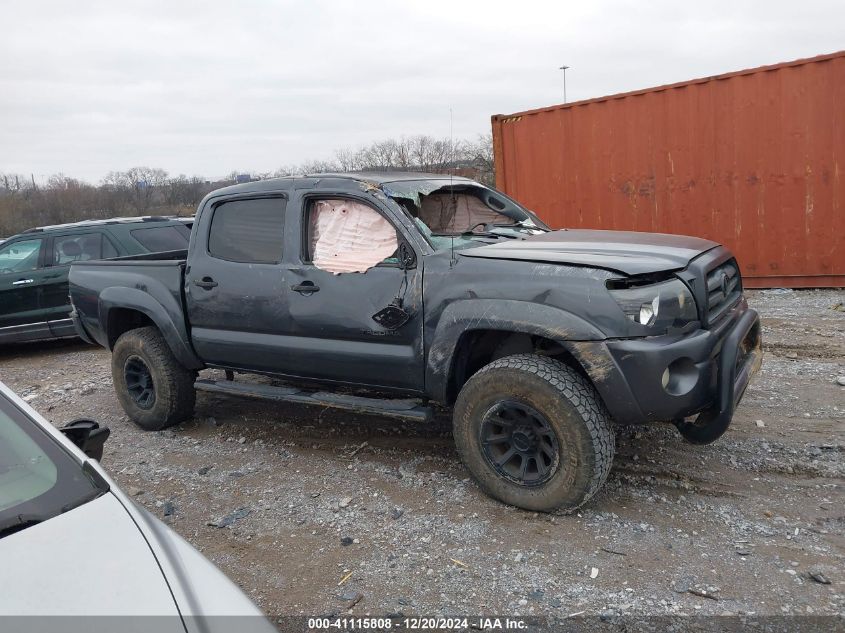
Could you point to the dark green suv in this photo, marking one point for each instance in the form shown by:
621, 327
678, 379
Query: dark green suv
34, 267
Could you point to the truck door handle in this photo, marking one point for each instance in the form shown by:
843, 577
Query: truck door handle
206, 283
22, 281
305, 288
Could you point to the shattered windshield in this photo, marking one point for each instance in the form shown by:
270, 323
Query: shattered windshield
462, 213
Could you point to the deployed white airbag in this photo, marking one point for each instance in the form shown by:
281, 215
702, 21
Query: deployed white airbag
456, 213
349, 236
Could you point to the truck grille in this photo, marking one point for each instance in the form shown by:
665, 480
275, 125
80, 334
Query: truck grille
724, 289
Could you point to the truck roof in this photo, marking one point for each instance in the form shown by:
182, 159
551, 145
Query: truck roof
374, 177
381, 177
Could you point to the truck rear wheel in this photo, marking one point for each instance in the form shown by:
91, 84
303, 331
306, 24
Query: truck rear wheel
153, 388
534, 433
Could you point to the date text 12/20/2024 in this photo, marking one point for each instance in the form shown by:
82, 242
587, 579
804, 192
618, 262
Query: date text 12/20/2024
417, 624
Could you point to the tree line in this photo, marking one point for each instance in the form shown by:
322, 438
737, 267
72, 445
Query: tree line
152, 191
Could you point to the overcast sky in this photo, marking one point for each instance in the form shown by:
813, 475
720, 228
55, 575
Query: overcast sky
208, 87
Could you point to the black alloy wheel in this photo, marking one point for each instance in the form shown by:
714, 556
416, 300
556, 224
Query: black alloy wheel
139, 382
519, 443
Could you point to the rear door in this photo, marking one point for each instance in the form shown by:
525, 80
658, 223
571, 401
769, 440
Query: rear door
21, 272
235, 284
63, 250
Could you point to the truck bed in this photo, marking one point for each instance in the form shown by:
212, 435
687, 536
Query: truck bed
150, 284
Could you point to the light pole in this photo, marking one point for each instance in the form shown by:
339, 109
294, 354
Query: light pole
563, 68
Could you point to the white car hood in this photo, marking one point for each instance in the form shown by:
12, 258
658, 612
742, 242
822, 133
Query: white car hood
92, 560
112, 557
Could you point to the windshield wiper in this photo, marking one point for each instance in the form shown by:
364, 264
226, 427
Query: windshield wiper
488, 234
19, 522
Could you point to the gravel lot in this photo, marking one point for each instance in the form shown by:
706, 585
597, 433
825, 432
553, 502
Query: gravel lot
313, 510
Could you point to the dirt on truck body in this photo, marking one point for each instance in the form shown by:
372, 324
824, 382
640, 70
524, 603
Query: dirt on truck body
436, 290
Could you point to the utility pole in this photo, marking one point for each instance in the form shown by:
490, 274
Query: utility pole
564, 68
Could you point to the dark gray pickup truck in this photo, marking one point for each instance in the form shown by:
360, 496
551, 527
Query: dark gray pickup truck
386, 293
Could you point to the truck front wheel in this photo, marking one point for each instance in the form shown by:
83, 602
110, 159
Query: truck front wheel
153, 388
534, 433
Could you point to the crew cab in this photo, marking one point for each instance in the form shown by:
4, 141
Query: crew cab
34, 266
385, 293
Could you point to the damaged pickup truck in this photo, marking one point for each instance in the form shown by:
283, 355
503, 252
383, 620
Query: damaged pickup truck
423, 289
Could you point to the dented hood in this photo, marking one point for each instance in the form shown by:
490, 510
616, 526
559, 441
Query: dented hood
628, 252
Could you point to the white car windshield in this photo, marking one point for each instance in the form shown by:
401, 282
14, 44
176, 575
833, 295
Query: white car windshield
39, 479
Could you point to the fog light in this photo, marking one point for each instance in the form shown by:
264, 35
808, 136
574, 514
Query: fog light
680, 377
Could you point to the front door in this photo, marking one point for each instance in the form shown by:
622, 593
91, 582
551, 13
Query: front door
20, 278
348, 272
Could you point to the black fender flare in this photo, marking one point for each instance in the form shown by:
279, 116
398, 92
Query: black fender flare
165, 313
509, 315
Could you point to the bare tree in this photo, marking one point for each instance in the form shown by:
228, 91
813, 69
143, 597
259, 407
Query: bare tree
142, 190
182, 192
349, 159
481, 151
318, 167
144, 183
15, 183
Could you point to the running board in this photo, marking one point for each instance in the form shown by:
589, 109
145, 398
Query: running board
407, 409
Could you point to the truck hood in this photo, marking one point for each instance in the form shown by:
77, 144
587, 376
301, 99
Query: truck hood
628, 252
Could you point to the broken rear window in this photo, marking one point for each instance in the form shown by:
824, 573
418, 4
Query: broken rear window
347, 236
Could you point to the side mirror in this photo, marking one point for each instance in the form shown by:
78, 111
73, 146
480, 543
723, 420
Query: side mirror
407, 257
88, 436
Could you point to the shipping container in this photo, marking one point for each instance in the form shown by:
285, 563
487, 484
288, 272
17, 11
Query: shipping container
751, 159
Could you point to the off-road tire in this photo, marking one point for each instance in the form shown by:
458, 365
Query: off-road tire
572, 408
173, 384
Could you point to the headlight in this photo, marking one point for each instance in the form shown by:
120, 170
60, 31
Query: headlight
657, 306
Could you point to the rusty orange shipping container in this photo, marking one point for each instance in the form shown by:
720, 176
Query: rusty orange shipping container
752, 159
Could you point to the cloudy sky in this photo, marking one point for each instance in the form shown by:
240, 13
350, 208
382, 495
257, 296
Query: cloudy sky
209, 87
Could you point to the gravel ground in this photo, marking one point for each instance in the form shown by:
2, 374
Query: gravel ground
313, 510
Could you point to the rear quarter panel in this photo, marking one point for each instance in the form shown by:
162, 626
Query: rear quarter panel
152, 287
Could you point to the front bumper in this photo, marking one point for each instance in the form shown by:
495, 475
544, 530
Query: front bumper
741, 358
668, 378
